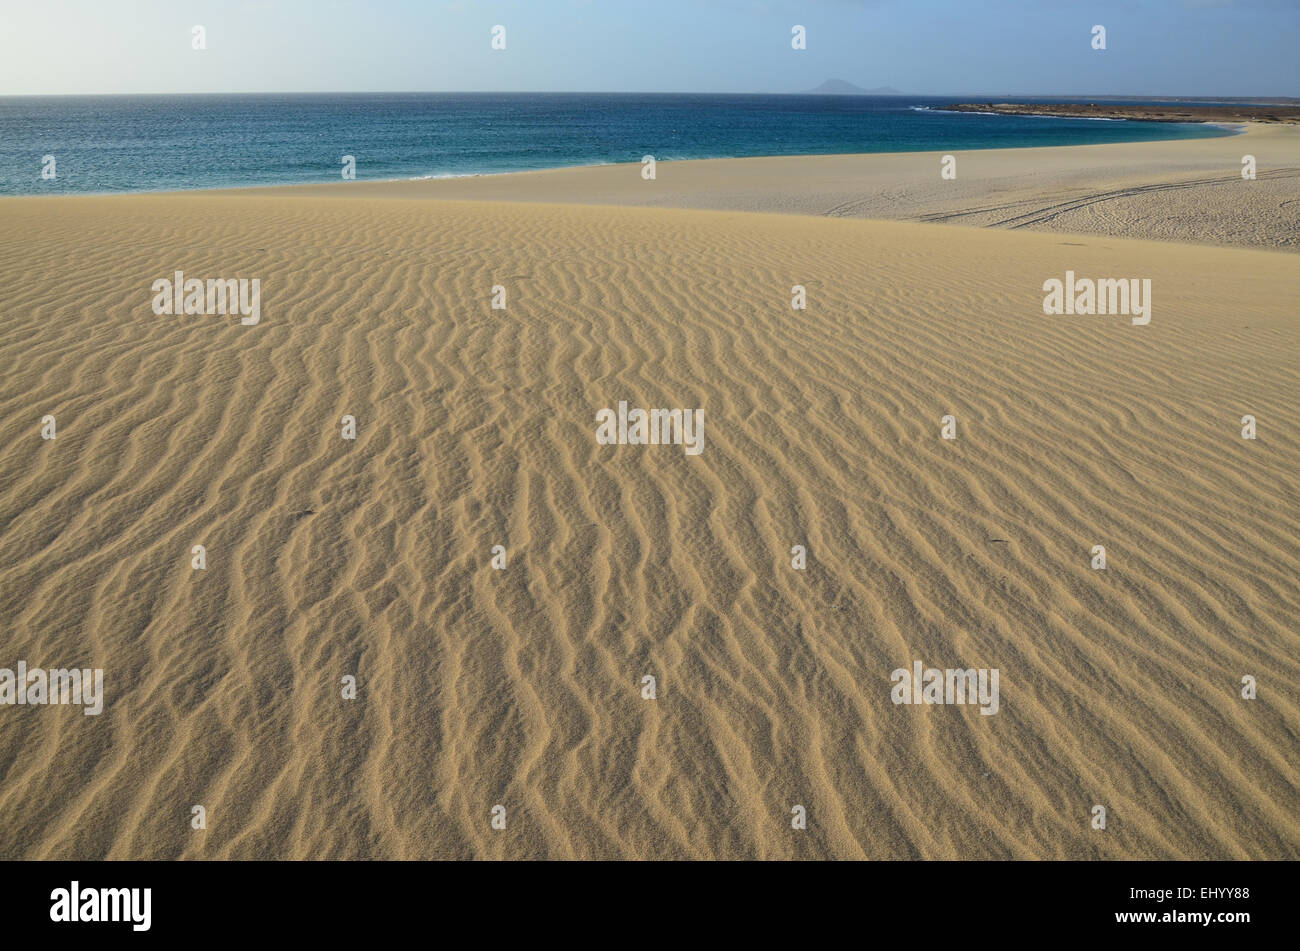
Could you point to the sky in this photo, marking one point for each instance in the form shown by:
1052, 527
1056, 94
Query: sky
923, 47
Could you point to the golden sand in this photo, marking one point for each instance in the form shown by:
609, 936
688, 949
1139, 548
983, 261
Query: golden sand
522, 687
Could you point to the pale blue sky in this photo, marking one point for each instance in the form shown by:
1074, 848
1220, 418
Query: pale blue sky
1155, 47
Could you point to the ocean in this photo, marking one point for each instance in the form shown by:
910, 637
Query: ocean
157, 143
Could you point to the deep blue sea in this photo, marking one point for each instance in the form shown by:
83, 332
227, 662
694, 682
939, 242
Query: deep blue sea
152, 143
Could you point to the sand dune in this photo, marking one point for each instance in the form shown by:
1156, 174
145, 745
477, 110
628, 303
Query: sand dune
521, 687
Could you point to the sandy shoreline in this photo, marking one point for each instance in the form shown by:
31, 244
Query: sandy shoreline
1176, 190
476, 427
1189, 191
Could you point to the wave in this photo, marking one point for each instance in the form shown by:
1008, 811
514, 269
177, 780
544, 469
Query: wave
510, 171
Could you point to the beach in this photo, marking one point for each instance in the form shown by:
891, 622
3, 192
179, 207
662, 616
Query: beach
522, 686
1186, 191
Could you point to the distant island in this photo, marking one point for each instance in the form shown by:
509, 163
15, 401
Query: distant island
1169, 113
839, 87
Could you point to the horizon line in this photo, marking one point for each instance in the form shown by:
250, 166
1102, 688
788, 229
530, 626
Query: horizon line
588, 92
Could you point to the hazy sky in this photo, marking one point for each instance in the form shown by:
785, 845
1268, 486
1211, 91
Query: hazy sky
1154, 47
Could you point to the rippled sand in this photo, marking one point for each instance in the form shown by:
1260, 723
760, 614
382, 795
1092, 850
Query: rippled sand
521, 687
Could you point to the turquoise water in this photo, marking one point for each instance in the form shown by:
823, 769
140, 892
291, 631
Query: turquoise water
150, 143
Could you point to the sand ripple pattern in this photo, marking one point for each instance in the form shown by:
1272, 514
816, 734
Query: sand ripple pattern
476, 428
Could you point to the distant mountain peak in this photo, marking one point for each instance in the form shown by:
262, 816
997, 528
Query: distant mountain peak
839, 87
